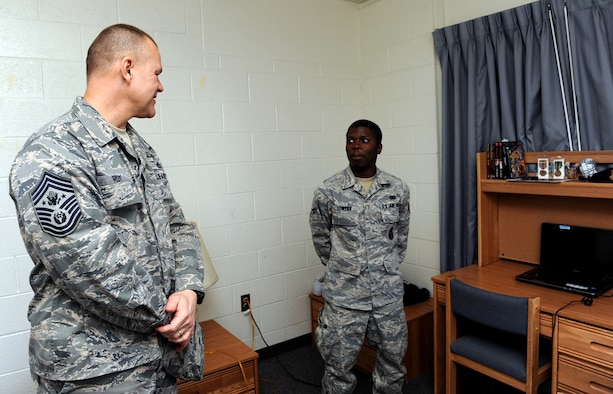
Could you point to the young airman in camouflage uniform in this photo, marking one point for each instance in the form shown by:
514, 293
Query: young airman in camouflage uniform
117, 269
360, 226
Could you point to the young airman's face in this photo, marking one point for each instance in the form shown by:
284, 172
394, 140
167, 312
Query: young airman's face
362, 149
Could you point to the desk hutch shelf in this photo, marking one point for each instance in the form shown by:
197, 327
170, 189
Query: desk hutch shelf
510, 213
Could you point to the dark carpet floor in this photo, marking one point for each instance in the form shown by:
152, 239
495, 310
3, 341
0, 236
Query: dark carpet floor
299, 371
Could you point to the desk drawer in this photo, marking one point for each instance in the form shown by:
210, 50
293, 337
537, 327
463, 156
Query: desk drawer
578, 376
545, 324
586, 342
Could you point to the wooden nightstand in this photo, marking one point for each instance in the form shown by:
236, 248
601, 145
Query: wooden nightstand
222, 372
419, 358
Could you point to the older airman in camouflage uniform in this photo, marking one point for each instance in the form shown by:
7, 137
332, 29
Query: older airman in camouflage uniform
117, 269
360, 225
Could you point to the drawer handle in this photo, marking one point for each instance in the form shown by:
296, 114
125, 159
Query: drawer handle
601, 347
599, 388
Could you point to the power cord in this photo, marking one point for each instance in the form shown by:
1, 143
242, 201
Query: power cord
555, 315
586, 300
254, 323
240, 364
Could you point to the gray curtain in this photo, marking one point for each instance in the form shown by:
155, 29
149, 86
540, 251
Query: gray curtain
541, 74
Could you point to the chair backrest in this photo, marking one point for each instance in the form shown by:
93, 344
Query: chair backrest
512, 358
499, 311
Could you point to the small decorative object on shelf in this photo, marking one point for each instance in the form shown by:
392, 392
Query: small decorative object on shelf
558, 168
570, 170
587, 168
505, 160
543, 168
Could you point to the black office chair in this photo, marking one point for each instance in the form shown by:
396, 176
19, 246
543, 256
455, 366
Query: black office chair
496, 335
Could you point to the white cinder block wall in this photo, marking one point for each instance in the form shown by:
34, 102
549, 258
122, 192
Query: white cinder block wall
258, 97
399, 91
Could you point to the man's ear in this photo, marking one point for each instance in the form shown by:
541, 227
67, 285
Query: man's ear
379, 148
126, 68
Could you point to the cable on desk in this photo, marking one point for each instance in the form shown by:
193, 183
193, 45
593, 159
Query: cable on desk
555, 315
587, 301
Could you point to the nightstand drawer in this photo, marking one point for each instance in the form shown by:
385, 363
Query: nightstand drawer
441, 292
225, 355
315, 307
230, 380
586, 342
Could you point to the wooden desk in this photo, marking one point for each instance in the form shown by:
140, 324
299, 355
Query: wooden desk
583, 352
222, 372
418, 358
510, 215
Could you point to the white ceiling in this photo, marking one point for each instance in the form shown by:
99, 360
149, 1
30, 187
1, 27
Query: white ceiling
357, 1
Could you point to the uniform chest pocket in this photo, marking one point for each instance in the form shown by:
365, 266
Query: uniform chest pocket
155, 179
344, 218
158, 186
118, 190
389, 216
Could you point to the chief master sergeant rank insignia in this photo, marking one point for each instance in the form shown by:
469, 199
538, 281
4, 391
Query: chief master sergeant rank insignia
56, 205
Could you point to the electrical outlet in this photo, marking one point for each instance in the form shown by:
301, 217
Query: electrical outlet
245, 302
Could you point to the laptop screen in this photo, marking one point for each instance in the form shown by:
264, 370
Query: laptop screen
575, 250
603, 253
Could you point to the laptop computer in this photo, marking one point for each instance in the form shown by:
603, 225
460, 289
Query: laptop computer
574, 259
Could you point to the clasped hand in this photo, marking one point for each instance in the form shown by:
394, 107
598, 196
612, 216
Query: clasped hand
182, 306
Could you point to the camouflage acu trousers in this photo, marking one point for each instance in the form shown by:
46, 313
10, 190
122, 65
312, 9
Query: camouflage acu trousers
148, 378
339, 338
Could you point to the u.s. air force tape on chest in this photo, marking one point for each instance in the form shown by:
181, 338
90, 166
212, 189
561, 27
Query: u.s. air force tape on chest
56, 205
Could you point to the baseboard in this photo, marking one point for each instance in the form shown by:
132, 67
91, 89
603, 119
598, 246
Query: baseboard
285, 346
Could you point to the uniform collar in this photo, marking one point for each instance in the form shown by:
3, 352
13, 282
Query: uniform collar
349, 180
98, 128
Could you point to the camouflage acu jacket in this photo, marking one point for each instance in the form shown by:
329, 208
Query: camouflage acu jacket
361, 238
109, 245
